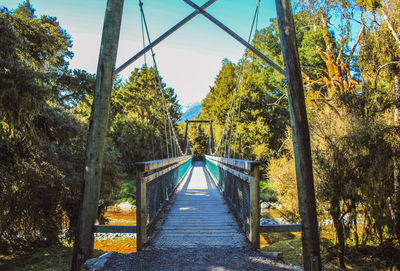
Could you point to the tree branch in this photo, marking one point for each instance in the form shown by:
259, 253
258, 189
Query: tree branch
379, 70
357, 41
394, 33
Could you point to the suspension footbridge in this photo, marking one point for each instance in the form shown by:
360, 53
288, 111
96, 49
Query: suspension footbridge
235, 224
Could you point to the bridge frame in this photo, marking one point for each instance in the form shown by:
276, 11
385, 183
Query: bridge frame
83, 246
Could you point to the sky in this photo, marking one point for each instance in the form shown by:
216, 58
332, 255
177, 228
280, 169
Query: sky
188, 60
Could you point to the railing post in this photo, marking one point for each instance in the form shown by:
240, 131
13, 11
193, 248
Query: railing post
254, 235
141, 213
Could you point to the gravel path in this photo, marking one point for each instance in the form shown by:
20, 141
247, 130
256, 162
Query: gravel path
193, 259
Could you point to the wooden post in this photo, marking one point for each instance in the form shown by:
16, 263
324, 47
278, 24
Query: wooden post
212, 137
301, 137
186, 138
396, 164
83, 245
254, 235
141, 213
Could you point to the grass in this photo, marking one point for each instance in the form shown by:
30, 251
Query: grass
54, 258
291, 250
58, 258
384, 257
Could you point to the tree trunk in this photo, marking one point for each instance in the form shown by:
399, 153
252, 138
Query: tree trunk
396, 166
390, 26
83, 246
356, 238
335, 213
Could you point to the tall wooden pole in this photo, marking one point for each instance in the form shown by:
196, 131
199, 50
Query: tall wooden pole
396, 165
186, 138
83, 246
301, 137
141, 212
211, 138
254, 234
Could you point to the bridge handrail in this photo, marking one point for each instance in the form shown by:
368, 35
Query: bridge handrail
156, 164
237, 163
244, 195
159, 179
230, 164
160, 167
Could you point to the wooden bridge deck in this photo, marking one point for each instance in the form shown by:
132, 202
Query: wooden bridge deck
198, 216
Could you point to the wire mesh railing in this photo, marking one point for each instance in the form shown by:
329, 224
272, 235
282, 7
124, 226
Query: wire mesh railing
156, 183
239, 182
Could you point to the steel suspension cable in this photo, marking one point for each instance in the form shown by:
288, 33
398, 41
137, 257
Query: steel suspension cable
152, 119
172, 135
156, 77
240, 80
226, 147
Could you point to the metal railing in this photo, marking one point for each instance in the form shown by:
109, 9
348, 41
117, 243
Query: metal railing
156, 183
238, 180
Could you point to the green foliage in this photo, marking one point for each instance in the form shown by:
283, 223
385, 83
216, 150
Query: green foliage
215, 104
128, 192
259, 113
267, 192
291, 249
42, 143
33, 53
57, 258
198, 141
139, 123
352, 141
282, 175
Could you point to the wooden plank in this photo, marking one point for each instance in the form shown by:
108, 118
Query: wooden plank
115, 229
198, 217
240, 175
152, 223
231, 205
199, 121
280, 228
301, 137
241, 164
153, 165
254, 235
157, 174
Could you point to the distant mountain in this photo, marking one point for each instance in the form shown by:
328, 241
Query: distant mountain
191, 111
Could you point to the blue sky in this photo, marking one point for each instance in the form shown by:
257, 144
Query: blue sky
188, 61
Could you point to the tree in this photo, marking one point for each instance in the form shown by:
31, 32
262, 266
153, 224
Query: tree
198, 141
42, 150
380, 60
33, 54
